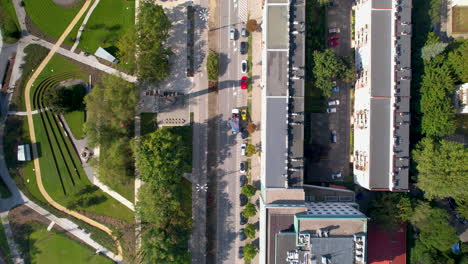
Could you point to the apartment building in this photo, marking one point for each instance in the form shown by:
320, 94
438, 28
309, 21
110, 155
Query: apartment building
382, 94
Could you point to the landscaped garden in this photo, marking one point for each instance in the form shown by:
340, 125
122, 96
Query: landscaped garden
49, 17
9, 22
75, 121
108, 22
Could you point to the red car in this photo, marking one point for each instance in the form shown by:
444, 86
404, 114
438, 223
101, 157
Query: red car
333, 43
244, 82
333, 37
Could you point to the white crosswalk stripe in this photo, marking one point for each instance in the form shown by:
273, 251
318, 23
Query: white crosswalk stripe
242, 10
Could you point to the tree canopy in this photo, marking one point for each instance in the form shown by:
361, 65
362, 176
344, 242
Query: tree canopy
248, 190
389, 209
442, 168
249, 210
212, 64
65, 99
457, 59
328, 67
127, 50
250, 251
250, 230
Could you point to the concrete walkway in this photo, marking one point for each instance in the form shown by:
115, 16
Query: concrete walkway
81, 144
32, 133
15, 253
25, 113
81, 29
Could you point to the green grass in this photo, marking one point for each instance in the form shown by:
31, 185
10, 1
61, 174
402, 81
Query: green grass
42, 246
9, 22
75, 121
148, 123
49, 17
105, 205
109, 21
4, 244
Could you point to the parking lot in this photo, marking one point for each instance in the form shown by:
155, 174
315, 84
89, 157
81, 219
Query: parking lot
330, 132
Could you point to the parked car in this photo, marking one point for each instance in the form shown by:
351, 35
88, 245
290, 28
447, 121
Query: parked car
334, 30
242, 236
244, 47
333, 43
333, 136
332, 3
241, 252
244, 66
336, 175
244, 82
244, 114
243, 167
243, 199
243, 147
331, 110
333, 102
242, 180
244, 133
232, 34
333, 36
336, 89
243, 220
244, 31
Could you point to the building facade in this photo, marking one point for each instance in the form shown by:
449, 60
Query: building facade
382, 94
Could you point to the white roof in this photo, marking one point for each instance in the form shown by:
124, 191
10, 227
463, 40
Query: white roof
24, 153
103, 54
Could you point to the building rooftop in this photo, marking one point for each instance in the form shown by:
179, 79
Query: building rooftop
278, 34
379, 163
381, 53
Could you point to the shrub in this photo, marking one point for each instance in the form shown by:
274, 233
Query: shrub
249, 210
248, 190
250, 251
212, 65
250, 150
252, 25
250, 231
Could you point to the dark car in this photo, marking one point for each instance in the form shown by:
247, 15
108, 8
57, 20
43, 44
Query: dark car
244, 133
241, 252
243, 199
242, 236
243, 220
242, 180
243, 167
244, 47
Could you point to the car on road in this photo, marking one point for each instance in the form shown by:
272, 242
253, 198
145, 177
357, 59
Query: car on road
333, 136
232, 34
333, 43
336, 89
243, 219
242, 167
243, 199
242, 180
333, 36
243, 147
244, 66
244, 114
242, 235
331, 110
334, 30
244, 31
333, 102
244, 82
243, 47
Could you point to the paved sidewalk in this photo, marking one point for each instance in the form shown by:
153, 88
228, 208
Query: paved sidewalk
25, 113
81, 29
15, 253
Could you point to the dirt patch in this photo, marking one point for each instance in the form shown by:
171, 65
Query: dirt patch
68, 3
72, 82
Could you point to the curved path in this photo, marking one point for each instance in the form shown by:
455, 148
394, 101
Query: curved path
33, 134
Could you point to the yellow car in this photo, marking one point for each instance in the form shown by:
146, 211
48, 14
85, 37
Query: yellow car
244, 114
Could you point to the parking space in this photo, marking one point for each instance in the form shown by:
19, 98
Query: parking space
330, 132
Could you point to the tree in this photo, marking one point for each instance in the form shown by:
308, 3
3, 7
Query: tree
115, 166
110, 110
250, 230
127, 50
249, 210
388, 209
250, 251
252, 25
65, 99
324, 2
212, 66
431, 51
442, 168
248, 190
457, 59
251, 127
327, 68
435, 232
250, 150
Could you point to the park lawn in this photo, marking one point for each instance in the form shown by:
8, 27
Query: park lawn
126, 189
75, 121
10, 26
148, 123
54, 247
68, 192
49, 17
4, 244
108, 22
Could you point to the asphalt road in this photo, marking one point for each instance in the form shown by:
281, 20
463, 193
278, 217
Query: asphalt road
230, 96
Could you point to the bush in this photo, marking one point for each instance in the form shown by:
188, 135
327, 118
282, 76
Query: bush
249, 210
250, 251
251, 127
250, 150
250, 231
248, 190
328, 67
252, 25
212, 66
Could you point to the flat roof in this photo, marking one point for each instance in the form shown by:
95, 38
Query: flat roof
386, 247
277, 27
277, 73
339, 249
276, 142
381, 57
384, 4
379, 156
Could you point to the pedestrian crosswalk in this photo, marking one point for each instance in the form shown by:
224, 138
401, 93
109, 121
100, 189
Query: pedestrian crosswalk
242, 11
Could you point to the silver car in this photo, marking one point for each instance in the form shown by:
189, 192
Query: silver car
232, 34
